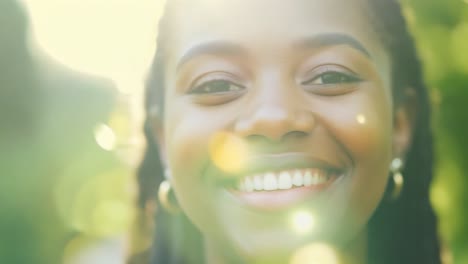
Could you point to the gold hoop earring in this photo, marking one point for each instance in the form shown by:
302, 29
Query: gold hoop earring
398, 180
164, 195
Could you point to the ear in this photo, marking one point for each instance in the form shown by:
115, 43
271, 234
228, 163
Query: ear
404, 122
157, 132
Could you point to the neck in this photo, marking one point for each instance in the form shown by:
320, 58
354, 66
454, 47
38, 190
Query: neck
354, 253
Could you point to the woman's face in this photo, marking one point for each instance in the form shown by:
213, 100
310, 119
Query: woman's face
279, 126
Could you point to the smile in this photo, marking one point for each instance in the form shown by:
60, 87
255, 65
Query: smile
284, 180
279, 181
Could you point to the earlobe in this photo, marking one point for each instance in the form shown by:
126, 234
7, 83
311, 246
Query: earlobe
404, 122
155, 121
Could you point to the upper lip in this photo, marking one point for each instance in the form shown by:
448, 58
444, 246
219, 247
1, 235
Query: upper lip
279, 162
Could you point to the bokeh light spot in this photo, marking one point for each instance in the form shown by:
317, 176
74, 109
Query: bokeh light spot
361, 119
110, 216
303, 222
97, 204
228, 152
105, 137
316, 253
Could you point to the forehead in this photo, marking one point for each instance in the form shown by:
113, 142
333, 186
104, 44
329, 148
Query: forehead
277, 19
265, 12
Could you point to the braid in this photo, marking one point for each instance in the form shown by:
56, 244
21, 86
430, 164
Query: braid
405, 231
176, 240
400, 232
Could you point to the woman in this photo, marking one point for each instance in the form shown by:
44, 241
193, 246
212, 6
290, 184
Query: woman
286, 124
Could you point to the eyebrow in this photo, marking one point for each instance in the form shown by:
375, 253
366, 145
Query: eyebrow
333, 39
229, 48
212, 48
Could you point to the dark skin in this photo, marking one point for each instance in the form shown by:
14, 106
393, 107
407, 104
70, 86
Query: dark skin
296, 83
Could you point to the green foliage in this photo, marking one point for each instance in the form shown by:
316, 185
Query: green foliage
441, 32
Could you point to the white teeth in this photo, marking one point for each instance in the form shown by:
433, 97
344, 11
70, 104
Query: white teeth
308, 181
258, 183
249, 185
298, 179
324, 177
283, 180
315, 176
320, 176
269, 182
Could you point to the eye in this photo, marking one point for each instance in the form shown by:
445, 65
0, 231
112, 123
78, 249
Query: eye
331, 78
217, 86
331, 81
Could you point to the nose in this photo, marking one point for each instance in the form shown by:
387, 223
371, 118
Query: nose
275, 120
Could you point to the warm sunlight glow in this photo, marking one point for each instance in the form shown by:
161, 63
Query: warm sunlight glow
317, 253
303, 222
110, 38
228, 152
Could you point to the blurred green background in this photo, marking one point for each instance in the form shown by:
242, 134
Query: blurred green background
441, 32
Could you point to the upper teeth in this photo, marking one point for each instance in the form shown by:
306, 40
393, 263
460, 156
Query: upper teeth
282, 180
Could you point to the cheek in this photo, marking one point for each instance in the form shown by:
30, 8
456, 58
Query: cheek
186, 133
186, 143
362, 124
363, 127
189, 133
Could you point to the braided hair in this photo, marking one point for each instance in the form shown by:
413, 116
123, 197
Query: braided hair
399, 232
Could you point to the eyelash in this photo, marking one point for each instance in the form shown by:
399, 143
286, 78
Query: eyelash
344, 78
204, 88
335, 80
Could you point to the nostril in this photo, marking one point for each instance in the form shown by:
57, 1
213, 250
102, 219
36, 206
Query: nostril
278, 126
258, 138
295, 134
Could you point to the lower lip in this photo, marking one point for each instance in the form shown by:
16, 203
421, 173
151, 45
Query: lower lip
281, 199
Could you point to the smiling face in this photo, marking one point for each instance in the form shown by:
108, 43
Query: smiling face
278, 113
